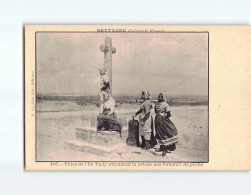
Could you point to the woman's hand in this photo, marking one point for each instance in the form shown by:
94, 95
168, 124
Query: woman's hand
168, 114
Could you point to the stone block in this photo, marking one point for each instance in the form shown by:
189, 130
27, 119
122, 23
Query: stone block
93, 148
88, 140
104, 138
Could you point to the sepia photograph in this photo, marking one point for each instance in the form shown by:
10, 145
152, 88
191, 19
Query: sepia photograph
132, 97
111, 96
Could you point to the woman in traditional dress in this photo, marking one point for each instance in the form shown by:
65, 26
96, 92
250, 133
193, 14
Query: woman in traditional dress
107, 119
145, 120
166, 132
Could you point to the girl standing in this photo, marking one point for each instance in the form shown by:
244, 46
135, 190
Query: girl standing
145, 120
166, 132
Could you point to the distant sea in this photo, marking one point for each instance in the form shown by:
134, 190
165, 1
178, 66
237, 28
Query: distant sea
172, 100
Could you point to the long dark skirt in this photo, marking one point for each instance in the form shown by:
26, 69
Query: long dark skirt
108, 122
166, 132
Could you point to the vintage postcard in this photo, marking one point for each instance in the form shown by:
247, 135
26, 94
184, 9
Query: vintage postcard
116, 97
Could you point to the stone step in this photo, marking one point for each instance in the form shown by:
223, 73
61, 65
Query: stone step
88, 140
93, 148
103, 138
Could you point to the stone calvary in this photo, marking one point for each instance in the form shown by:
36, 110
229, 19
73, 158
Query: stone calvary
104, 133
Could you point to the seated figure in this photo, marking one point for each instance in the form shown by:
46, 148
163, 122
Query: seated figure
107, 119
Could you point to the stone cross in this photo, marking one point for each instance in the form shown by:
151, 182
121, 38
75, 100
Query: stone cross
108, 51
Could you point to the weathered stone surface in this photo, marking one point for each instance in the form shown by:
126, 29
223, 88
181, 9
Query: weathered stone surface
108, 51
104, 138
88, 140
92, 148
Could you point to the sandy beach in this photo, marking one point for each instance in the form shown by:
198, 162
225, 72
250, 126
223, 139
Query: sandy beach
57, 121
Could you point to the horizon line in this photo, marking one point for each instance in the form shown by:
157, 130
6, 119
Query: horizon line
128, 94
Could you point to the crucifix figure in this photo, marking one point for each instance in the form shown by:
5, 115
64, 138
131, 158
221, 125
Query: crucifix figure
108, 51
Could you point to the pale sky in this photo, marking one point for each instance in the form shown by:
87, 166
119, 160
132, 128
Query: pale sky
174, 63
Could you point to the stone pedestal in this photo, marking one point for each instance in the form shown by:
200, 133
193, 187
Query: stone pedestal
88, 140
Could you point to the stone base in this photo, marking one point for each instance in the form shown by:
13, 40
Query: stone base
103, 138
104, 142
92, 148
